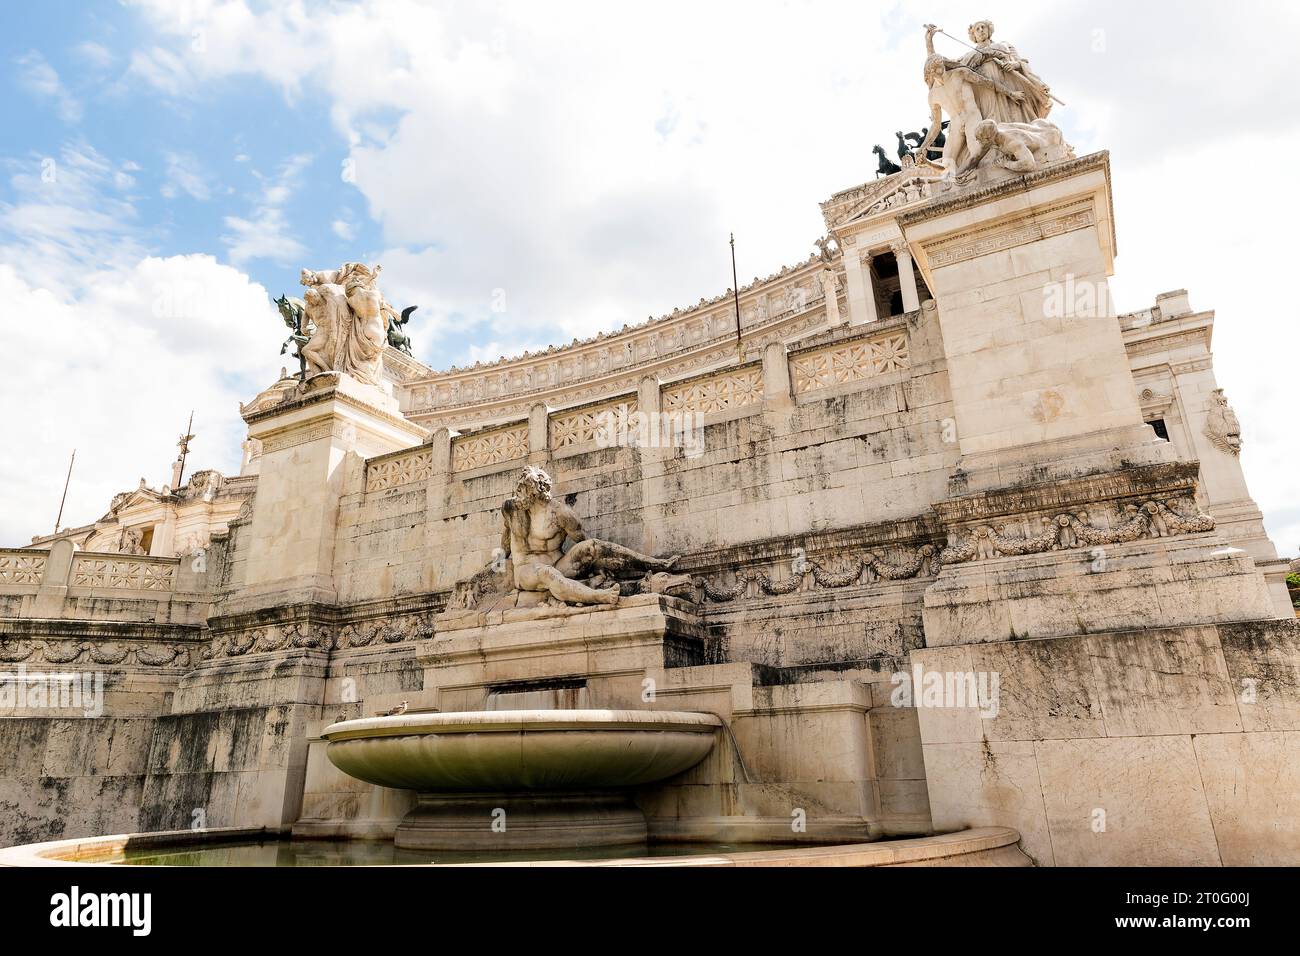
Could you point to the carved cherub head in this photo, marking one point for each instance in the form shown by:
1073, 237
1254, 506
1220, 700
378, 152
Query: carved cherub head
534, 485
986, 131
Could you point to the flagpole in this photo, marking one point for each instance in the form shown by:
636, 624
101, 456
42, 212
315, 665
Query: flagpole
67, 481
735, 292
185, 449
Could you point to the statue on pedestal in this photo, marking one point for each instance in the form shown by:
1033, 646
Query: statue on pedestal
535, 528
347, 322
996, 105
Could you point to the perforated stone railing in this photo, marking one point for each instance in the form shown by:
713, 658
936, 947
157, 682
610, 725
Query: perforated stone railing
843, 356
590, 423
721, 392
121, 572
850, 362
399, 468
22, 568
490, 447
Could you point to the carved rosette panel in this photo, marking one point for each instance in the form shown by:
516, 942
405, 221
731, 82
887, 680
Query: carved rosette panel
717, 393
404, 469
588, 424
489, 448
17, 567
131, 575
850, 362
1128, 521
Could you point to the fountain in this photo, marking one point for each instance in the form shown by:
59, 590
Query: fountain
523, 779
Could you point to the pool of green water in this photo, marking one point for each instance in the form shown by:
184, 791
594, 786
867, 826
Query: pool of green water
376, 853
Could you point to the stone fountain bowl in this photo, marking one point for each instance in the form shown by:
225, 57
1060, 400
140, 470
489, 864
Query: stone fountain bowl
521, 750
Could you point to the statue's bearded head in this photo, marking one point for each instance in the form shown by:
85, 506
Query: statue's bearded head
986, 131
534, 485
981, 31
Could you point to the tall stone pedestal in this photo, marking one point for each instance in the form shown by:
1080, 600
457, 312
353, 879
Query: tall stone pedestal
1040, 381
307, 439
1059, 477
1082, 582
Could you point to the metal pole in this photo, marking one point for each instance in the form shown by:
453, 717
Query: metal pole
185, 449
67, 481
735, 292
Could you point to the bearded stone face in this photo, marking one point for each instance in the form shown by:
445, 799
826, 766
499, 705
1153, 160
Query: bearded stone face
534, 485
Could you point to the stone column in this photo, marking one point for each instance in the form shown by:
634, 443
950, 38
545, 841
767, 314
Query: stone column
440, 451
906, 275
857, 273
831, 290
53, 589
776, 376
539, 432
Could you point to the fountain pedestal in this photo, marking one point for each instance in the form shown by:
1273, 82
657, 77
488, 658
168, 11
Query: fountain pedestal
486, 822
521, 779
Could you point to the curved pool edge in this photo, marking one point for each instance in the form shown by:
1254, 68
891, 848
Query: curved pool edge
980, 846
75, 851
521, 721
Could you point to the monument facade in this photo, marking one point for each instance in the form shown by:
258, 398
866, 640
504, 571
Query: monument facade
945, 544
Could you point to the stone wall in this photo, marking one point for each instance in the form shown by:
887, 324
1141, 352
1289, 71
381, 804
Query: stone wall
1171, 746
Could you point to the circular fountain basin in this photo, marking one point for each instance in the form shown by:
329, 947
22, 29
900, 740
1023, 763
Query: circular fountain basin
521, 779
521, 750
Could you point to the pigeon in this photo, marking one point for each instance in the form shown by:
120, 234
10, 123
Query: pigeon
393, 711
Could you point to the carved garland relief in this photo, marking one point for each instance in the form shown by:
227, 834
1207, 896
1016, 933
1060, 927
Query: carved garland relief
1150, 518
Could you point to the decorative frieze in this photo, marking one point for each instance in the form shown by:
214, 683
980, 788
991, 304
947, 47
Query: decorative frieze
319, 636
725, 391
1120, 523
105, 654
21, 567
404, 468
866, 567
135, 574
489, 447
850, 362
588, 424
1041, 225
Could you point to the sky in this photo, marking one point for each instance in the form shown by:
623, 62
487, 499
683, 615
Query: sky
532, 172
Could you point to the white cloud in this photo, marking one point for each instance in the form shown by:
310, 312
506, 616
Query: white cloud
343, 229
267, 232
70, 218
185, 175
114, 372
584, 163
108, 348
95, 54
37, 76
